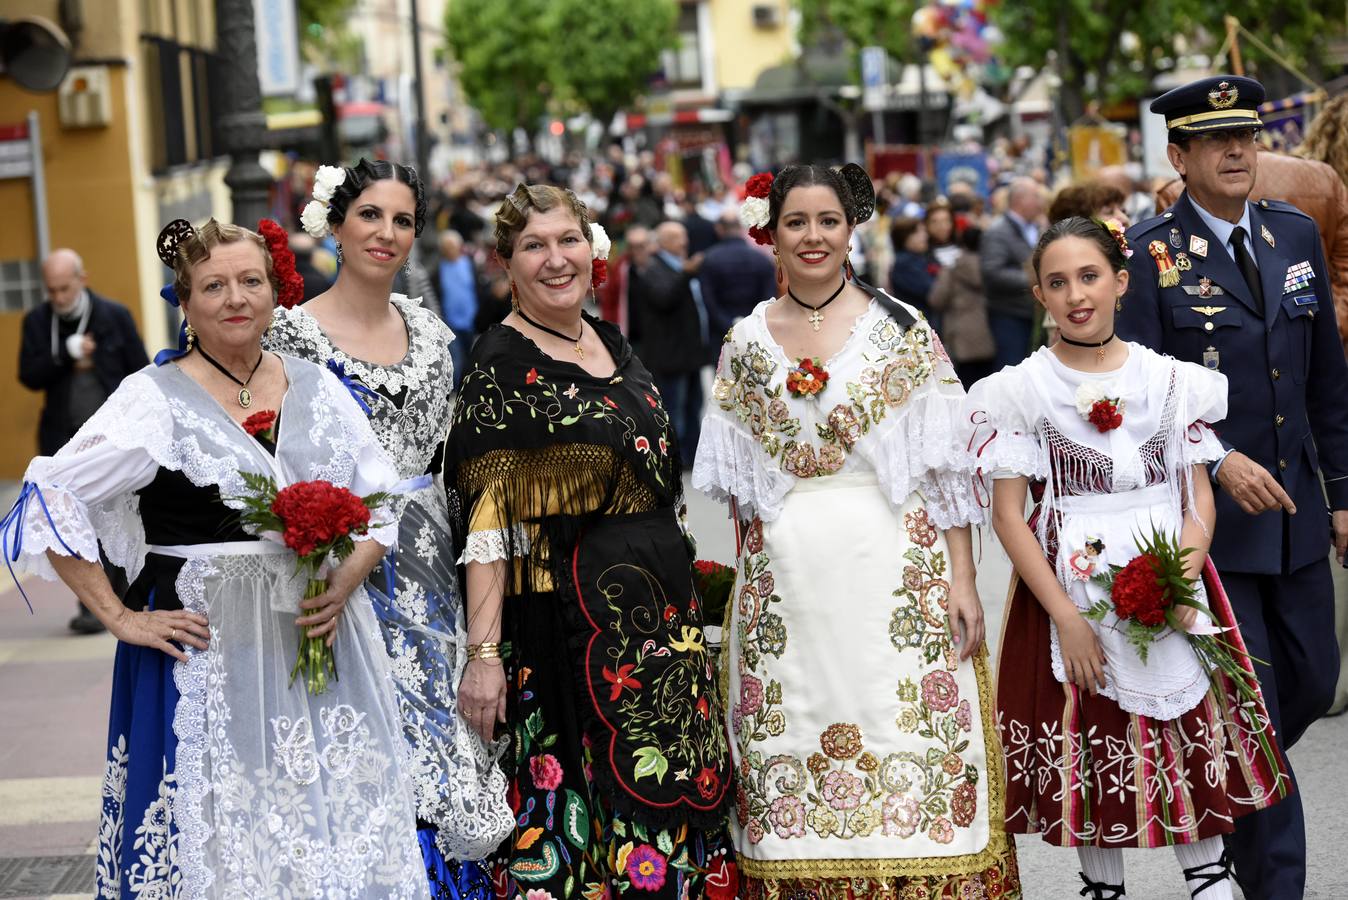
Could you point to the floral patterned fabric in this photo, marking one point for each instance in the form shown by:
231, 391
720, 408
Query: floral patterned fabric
618, 765
867, 763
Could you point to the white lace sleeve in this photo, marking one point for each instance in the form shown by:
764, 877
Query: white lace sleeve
730, 461
84, 494
921, 450
491, 545
998, 428
1203, 401
374, 470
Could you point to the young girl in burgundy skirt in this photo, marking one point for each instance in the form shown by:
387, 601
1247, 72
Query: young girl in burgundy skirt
1104, 749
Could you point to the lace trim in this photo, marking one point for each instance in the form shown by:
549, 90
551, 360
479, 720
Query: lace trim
492, 545
189, 724
731, 463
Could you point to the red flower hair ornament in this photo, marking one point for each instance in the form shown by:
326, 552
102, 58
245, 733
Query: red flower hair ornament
755, 210
290, 285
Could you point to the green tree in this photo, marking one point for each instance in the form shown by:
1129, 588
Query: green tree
611, 49
503, 57
864, 23
325, 39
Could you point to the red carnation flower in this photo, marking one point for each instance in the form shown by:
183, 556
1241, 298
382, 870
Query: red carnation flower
289, 282
1137, 592
759, 185
1105, 416
598, 272
317, 514
761, 235
260, 422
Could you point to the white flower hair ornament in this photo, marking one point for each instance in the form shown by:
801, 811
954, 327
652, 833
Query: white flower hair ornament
755, 209
314, 218
600, 245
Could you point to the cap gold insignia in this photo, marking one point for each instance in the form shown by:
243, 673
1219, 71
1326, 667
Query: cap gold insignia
1224, 96
1267, 235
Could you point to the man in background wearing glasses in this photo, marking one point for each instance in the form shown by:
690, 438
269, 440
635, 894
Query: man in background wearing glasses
1243, 288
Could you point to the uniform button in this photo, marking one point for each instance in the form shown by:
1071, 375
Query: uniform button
1282, 464
1207, 326
1278, 420
1276, 374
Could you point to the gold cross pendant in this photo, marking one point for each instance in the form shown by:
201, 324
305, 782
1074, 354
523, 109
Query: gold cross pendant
815, 318
579, 352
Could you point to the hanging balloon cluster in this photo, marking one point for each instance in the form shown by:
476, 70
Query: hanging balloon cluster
959, 40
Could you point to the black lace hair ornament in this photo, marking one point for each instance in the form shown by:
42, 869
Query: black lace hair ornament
861, 188
171, 238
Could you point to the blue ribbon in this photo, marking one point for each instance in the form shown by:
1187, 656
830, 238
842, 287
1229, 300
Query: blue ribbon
169, 294
169, 354
358, 391
11, 529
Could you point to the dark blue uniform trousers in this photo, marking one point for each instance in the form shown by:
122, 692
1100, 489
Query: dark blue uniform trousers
1288, 622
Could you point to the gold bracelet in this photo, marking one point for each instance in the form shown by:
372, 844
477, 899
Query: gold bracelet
485, 650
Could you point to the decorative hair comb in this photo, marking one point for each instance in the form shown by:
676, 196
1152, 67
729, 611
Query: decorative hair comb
171, 238
862, 190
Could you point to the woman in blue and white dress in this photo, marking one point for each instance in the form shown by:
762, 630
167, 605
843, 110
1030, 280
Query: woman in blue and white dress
224, 779
393, 355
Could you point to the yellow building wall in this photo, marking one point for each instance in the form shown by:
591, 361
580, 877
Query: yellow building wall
89, 207
742, 50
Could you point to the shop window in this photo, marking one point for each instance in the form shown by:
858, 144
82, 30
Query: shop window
177, 100
683, 63
21, 287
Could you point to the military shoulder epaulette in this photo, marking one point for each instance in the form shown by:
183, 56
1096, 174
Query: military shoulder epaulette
1280, 206
1146, 225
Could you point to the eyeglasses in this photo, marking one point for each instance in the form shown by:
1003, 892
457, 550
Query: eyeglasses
1242, 136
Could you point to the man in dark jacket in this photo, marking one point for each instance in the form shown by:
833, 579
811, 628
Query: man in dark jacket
673, 332
1007, 245
77, 347
734, 276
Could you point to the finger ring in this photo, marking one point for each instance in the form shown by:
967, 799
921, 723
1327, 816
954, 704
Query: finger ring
173, 633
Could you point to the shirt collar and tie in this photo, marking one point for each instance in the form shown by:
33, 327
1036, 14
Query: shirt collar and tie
1236, 239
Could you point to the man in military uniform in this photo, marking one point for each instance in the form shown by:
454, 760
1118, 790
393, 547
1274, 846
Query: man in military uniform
1243, 288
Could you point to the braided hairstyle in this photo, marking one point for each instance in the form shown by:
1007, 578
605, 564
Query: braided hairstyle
367, 172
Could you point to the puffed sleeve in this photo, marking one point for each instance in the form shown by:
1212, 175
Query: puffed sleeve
730, 461
999, 427
1202, 402
85, 494
374, 471
919, 449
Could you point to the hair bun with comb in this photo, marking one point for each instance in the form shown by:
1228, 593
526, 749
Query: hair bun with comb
862, 190
171, 238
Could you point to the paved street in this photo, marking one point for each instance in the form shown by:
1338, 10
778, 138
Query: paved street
54, 696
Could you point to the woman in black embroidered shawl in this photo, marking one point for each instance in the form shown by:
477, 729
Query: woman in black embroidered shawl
585, 632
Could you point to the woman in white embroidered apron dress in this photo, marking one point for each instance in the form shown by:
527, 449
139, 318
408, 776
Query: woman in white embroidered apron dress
393, 355
1104, 750
858, 693
224, 780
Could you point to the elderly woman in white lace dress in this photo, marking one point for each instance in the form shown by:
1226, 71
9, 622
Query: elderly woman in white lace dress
859, 699
223, 779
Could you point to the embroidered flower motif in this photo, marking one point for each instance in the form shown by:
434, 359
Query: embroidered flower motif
841, 740
741, 804
664, 446
921, 530
867, 762
646, 868
941, 831
799, 460
964, 804
708, 783
843, 422
546, 772
787, 815
571, 392
538, 894
896, 383
842, 790
807, 378
753, 541
900, 816
831, 459
1099, 404
755, 831
939, 691
952, 764
964, 716
621, 679
751, 695
723, 879
823, 821
531, 377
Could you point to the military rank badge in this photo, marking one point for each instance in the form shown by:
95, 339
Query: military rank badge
1267, 235
1198, 246
1298, 277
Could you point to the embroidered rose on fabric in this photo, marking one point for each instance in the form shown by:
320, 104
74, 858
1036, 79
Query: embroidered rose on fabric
646, 867
1099, 404
546, 772
841, 740
939, 691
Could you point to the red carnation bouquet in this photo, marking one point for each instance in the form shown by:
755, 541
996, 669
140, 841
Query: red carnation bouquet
1146, 595
316, 519
714, 581
807, 378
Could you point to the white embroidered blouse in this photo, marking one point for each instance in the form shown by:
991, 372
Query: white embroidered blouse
891, 405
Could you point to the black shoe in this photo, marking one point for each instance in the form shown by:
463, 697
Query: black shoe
1208, 875
86, 623
1099, 890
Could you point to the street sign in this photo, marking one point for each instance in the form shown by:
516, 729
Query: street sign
874, 78
16, 151
278, 46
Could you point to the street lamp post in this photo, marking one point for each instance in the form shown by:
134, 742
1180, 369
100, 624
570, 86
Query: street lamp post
241, 125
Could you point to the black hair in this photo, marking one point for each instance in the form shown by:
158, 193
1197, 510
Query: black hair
367, 172
971, 238
850, 183
1087, 229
